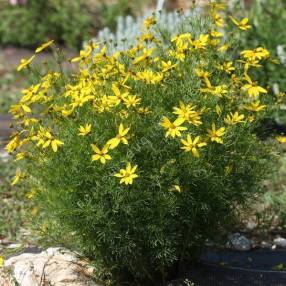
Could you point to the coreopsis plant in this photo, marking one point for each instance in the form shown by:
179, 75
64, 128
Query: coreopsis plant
139, 156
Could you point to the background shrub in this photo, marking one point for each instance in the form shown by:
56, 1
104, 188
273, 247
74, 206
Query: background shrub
268, 22
195, 172
38, 20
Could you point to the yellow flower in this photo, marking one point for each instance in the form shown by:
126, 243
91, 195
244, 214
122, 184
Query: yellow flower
187, 113
233, 119
281, 139
223, 48
1, 261
255, 106
101, 155
145, 37
201, 42
216, 6
227, 67
44, 46
127, 175
34, 211
166, 66
150, 21
250, 118
20, 156
149, 76
252, 88
120, 137
31, 194
146, 54
177, 188
181, 38
84, 130
46, 139
173, 128
202, 74
131, 101
184, 110
218, 110
191, 145
143, 110
256, 54
82, 54
55, 143
67, 113
218, 90
228, 169
215, 134
118, 95
242, 25
216, 34
218, 20
13, 144
24, 63
78, 100
17, 177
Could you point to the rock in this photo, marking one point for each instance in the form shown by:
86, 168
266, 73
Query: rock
55, 266
239, 242
14, 245
209, 243
280, 242
266, 245
251, 225
4, 156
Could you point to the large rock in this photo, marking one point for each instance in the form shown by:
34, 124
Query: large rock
55, 266
280, 242
239, 242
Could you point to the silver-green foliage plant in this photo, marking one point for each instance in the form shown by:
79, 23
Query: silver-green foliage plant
129, 28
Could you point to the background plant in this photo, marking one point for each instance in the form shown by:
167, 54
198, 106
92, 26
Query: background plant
268, 22
31, 24
141, 155
67, 22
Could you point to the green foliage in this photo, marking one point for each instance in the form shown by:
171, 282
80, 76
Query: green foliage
270, 210
28, 26
12, 201
146, 232
268, 19
8, 92
110, 12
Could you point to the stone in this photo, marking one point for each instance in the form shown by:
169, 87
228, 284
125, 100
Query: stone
266, 245
54, 266
14, 245
280, 242
239, 242
251, 225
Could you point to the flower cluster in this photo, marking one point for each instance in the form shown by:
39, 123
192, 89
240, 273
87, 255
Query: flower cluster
114, 84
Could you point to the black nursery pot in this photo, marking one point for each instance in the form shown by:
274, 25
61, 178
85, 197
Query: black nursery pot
227, 268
